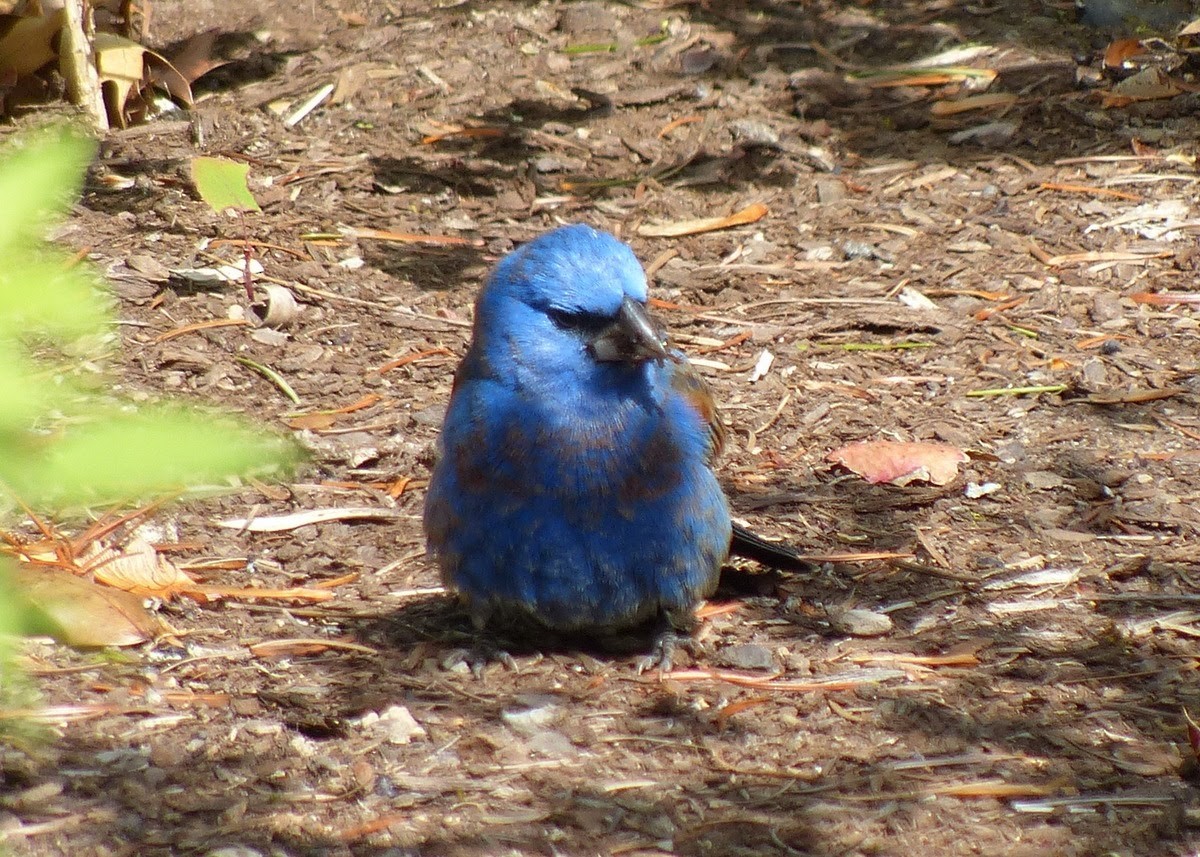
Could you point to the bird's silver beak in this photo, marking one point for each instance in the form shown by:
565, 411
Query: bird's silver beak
634, 337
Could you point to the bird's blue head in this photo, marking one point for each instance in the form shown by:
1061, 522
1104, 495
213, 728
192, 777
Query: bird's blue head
571, 295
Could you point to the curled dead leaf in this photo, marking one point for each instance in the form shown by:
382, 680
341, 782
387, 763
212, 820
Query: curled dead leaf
139, 569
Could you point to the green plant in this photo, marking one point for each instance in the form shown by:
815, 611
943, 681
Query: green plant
65, 440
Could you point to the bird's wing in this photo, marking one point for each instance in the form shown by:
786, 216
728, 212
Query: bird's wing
687, 382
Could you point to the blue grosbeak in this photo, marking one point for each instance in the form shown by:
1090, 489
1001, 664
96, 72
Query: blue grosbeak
574, 486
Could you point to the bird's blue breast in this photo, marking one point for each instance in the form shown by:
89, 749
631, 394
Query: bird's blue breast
587, 506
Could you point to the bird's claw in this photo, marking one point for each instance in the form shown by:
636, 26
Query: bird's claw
478, 657
662, 651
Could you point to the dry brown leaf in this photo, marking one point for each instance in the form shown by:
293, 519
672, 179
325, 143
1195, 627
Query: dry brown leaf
126, 69
1165, 298
122, 67
163, 74
1131, 397
1090, 256
301, 647
410, 238
1149, 84
846, 681
312, 422
899, 463
984, 101
27, 42
283, 523
1121, 51
194, 58
89, 615
994, 789
139, 569
932, 77
750, 214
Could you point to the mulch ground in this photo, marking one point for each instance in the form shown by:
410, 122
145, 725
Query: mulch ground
1017, 685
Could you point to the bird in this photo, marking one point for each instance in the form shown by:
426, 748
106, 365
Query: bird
574, 490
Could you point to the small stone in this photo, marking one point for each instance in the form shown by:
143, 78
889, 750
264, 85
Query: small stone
859, 622
1106, 306
747, 656
396, 723
830, 190
993, 135
1043, 480
861, 250
234, 851
752, 132
976, 490
536, 712
1093, 374
552, 744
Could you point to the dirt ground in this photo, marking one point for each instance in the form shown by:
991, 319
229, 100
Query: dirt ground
1028, 695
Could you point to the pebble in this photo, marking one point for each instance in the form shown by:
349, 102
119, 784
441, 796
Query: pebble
747, 656
859, 622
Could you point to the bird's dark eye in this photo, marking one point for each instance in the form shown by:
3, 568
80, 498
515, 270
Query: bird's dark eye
586, 323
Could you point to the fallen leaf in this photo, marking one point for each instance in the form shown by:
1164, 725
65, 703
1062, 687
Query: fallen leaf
994, 789
1193, 735
282, 523
749, 214
128, 71
139, 569
899, 463
27, 41
1165, 298
465, 133
1149, 84
930, 77
1131, 397
1121, 51
88, 615
122, 67
194, 58
984, 101
410, 238
1089, 256
222, 184
312, 422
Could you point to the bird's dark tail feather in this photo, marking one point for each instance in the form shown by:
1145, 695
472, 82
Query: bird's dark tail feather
753, 546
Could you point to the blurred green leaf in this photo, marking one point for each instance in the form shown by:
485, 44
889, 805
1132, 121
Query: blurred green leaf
65, 438
40, 296
39, 179
118, 456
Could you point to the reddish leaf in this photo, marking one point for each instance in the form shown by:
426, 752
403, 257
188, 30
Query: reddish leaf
1122, 51
900, 463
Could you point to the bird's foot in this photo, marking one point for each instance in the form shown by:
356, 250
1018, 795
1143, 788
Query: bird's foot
477, 658
662, 650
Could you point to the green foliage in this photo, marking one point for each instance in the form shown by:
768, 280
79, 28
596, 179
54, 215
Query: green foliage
222, 184
109, 456
65, 439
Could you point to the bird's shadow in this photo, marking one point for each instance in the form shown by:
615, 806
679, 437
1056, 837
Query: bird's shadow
440, 628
